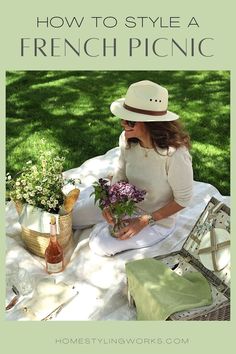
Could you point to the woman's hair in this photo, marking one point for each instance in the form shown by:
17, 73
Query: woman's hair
165, 135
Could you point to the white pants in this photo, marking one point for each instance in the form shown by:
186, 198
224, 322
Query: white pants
85, 214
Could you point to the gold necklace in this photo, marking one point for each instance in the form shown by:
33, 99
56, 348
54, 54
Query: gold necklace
146, 151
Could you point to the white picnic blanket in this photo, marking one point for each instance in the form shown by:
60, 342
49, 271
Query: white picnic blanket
100, 281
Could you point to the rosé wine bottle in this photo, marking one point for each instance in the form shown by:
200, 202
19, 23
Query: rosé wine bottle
54, 256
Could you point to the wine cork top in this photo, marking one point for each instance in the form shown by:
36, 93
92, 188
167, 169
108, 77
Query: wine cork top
52, 220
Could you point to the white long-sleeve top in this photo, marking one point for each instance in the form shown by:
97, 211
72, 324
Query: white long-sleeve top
164, 177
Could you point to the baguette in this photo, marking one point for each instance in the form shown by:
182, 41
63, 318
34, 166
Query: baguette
70, 200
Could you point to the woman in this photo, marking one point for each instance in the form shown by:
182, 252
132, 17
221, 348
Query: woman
154, 157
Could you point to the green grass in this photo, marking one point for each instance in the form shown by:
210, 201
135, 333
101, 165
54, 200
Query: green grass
70, 109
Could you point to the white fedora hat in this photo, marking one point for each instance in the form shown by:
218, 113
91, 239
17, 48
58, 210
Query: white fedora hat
145, 101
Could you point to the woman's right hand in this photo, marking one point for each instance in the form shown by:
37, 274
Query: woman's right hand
106, 213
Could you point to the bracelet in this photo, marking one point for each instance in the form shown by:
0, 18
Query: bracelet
151, 220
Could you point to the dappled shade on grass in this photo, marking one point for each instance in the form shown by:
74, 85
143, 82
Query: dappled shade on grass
70, 109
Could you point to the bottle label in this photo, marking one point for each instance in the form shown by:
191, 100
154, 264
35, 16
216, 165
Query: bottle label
54, 267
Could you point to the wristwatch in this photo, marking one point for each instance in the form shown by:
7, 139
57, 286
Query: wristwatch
151, 220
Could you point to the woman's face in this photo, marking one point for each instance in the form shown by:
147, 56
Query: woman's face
139, 130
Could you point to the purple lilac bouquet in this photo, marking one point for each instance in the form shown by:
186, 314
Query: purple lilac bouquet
120, 197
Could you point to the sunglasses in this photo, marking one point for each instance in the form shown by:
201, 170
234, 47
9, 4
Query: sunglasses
129, 123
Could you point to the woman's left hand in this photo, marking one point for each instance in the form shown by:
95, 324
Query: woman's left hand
134, 226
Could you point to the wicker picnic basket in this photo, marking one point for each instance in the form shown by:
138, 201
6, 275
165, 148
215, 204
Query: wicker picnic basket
37, 242
215, 215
